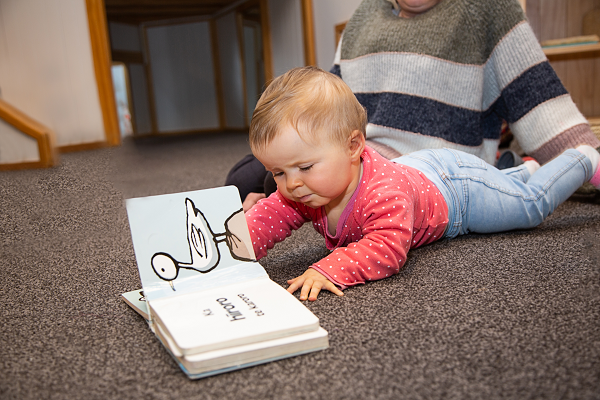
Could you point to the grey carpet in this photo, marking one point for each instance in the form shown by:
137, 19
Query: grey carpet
513, 315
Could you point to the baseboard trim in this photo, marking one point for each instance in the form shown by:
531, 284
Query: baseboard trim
188, 133
69, 148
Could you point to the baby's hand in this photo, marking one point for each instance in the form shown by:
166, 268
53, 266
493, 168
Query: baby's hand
251, 200
312, 281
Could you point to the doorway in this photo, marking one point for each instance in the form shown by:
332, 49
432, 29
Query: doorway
254, 63
258, 69
122, 89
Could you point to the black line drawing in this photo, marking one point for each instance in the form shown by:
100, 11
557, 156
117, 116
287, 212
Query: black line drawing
203, 244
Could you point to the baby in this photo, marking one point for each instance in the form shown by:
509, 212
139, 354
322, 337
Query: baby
308, 129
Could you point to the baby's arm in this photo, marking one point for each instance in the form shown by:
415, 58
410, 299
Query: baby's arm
366, 260
271, 220
386, 225
379, 253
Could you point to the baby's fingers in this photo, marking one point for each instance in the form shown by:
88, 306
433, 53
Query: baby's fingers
311, 283
295, 284
310, 287
333, 289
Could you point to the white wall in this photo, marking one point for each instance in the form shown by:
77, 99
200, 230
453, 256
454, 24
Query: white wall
3, 51
183, 78
46, 67
287, 45
327, 14
15, 146
231, 71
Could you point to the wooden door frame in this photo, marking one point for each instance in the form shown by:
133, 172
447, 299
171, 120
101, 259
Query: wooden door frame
308, 32
101, 54
100, 45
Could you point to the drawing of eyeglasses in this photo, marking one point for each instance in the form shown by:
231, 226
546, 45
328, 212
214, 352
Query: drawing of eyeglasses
203, 244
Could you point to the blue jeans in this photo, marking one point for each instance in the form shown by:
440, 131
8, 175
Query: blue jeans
483, 199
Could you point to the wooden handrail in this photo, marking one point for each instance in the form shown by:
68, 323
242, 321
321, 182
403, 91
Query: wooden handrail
43, 135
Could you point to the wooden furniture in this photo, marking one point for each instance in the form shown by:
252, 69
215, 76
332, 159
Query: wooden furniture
578, 67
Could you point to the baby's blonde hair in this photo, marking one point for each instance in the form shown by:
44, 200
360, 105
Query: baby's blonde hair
311, 101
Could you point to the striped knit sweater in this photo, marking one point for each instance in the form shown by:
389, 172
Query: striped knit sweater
450, 76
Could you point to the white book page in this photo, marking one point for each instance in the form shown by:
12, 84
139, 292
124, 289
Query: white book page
136, 300
232, 315
191, 241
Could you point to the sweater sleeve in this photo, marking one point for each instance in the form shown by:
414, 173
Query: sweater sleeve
387, 226
532, 99
335, 68
272, 220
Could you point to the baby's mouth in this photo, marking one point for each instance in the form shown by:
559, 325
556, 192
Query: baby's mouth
304, 199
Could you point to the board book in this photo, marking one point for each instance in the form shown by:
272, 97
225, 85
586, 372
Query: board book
208, 301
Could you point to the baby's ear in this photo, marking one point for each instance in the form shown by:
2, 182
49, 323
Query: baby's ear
357, 143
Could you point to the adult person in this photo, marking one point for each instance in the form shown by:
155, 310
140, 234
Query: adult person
447, 73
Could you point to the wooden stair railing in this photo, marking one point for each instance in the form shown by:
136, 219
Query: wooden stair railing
48, 154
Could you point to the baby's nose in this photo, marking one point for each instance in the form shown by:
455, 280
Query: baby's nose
293, 182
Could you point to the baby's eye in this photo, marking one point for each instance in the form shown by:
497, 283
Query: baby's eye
304, 169
276, 174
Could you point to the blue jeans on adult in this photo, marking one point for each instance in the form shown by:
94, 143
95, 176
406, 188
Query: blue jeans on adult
484, 199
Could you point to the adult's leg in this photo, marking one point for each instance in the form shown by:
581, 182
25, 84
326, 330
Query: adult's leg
269, 184
248, 175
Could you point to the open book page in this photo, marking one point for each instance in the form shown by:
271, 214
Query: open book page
136, 300
231, 315
222, 360
191, 241
207, 299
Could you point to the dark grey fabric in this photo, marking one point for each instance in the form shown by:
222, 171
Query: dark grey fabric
513, 315
248, 175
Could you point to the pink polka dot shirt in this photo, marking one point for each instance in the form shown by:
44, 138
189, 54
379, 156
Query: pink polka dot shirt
393, 209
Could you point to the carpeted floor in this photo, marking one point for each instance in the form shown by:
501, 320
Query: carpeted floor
513, 315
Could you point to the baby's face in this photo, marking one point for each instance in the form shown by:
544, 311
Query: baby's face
412, 8
315, 174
